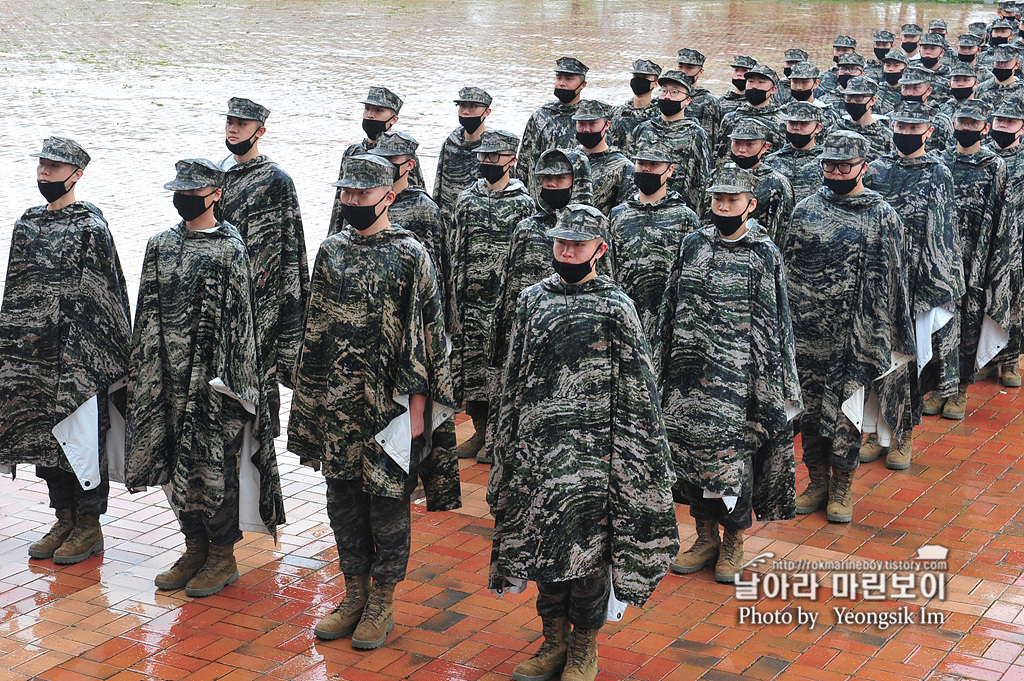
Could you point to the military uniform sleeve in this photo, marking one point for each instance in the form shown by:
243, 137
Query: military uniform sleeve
528, 152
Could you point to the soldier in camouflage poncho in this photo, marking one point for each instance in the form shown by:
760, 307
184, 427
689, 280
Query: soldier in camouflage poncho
646, 232
843, 44
890, 92
915, 87
457, 163
882, 42
726, 368
805, 84
761, 85
1004, 85
797, 161
733, 99
642, 106
582, 476
551, 125
859, 99
64, 342
486, 215
198, 421
611, 173
704, 107
260, 201
851, 319
848, 67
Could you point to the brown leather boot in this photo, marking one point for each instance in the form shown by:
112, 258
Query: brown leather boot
1010, 375
898, 459
840, 496
933, 404
52, 540
550, 659
704, 551
378, 618
219, 570
956, 406
85, 540
730, 558
871, 449
471, 447
816, 494
343, 619
197, 549
581, 664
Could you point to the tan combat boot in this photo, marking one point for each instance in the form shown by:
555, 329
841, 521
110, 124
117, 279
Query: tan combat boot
933, 404
581, 664
956, 406
550, 659
898, 459
1010, 375
85, 540
871, 449
704, 551
52, 540
377, 620
343, 619
987, 371
730, 559
471, 447
219, 570
840, 496
816, 494
197, 549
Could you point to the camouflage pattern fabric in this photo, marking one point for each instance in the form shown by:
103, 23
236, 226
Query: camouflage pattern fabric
995, 94
774, 196
625, 118
801, 168
457, 170
888, 99
706, 109
726, 367
64, 328
1014, 159
878, 134
550, 126
194, 323
611, 174
942, 137
484, 221
583, 600
372, 532
645, 240
690, 149
260, 201
728, 103
64, 150
582, 473
415, 179
769, 116
829, 79
374, 331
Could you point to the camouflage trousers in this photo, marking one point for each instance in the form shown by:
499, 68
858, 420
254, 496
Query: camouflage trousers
66, 491
222, 527
970, 316
841, 451
741, 516
583, 600
942, 373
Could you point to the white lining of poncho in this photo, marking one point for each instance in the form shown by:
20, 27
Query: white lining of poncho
925, 324
78, 435
864, 410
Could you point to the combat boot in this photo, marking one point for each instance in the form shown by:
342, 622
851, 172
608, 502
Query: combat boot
52, 540
85, 540
730, 560
343, 619
871, 449
987, 371
704, 551
219, 570
550, 659
898, 459
933, 405
377, 620
1010, 376
956, 406
471, 447
816, 494
197, 550
581, 664
840, 496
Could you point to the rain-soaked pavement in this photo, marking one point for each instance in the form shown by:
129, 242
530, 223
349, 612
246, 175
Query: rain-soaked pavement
143, 83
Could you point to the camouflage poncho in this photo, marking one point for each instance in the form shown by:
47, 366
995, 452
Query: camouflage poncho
625, 118
995, 94
375, 332
193, 324
611, 174
364, 147
645, 240
774, 196
484, 221
801, 168
64, 328
550, 126
706, 109
1014, 159
457, 170
728, 103
691, 153
582, 473
888, 99
260, 201
878, 134
769, 116
726, 367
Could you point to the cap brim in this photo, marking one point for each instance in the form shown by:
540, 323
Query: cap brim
377, 151
377, 102
551, 171
727, 189
494, 150
653, 158
244, 118
185, 185
823, 156
54, 157
357, 184
973, 116
571, 234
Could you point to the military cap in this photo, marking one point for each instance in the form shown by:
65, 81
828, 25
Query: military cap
395, 143
1007, 5
196, 173
749, 129
962, 69
934, 39
851, 59
366, 171
742, 61
655, 151
913, 75
571, 65
731, 179
844, 41
690, 56
762, 70
1001, 23
804, 69
673, 76
553, 162
884, 36
937, 23
978, 28
578, 222
896, 54
969, 40
911, 29
1003, 53
648, 67
977, 109
910, 112
842, 145
492, 141
473, 95
861, 85
592, 110
381, 96
1010, 108
247, 109
63, 150
796, 54
801, 112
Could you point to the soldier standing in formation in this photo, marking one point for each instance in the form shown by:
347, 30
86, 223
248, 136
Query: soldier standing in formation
642, 106
797, 160
552, 125
610, 171
457, 162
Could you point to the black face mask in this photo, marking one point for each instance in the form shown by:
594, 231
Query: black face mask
906, 143
967, 58
648, 183
787, 71
880, 53
841, 187
361, 217
241, 148
1002, 138
373, 128
1002, 74
967, 138
892, 77
52, 191
755, 96
565, 95
995, 42
929, 62
844, 79
908, 47
797, 140
589, 140
746, 162
190, 206
961, 93
727, 224
492, 172
669, 107
802, 95
398, 171
835, 58
856, 111
912, 98
572, 273
471, 123
640, 86
739, 83
556, 199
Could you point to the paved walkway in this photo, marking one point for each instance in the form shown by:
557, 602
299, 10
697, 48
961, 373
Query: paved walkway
103, 619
